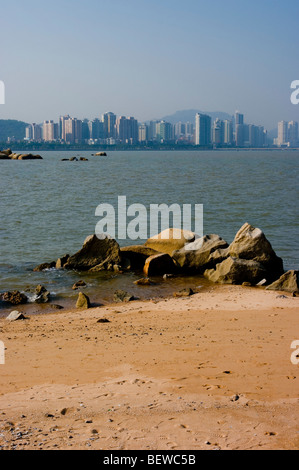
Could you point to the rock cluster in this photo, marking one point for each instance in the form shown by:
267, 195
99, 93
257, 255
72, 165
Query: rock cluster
9, 155
248, 260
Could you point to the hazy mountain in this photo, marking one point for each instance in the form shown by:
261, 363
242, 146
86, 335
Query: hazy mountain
12, 128
189, 116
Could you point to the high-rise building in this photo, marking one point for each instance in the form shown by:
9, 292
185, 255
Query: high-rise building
73, 131
282, 133
62, 120
293, 133
228, 132
164, 131
109, 122
96, 129
202, 130
218, 132
50, 131
142, 133
127, 129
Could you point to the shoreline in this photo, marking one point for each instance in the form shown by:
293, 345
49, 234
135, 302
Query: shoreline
164, 374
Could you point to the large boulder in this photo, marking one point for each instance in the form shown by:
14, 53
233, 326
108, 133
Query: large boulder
170, 239
136, 255
288, 282
3, 156
198, 255
158, 265
14, 298
250, 243
236, 271
96, 254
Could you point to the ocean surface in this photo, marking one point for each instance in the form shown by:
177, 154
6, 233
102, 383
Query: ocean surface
48, 208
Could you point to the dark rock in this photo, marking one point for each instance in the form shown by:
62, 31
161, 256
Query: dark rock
159, 264
103, 320
168, 276
56, 307
288, 282
14, 298
184, 293
43, 266
145, 281
136, 256
101, 154
83, 301
43, 296
62, 261
96, 255
82, 159
79, 284
123, 296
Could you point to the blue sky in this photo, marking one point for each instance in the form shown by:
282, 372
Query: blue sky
149, 58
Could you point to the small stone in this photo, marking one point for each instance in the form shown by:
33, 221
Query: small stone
83, 301
184, 293
123, 296
103, 320
79, 284
145, 281
15, 315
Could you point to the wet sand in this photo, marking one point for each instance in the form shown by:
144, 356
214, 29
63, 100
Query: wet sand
210, 371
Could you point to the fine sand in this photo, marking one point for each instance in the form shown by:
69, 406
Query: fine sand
211, 371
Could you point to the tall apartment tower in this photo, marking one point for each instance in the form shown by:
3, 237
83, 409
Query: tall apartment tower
109, 120
228, 132
282, 133
50, 131
218, 132
202, 130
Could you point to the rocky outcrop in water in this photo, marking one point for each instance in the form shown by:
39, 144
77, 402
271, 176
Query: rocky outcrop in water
14, 298
9, 155
97, 254
42, 295
250, 243
44, 266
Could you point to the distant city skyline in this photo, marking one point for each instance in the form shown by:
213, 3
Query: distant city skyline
203, 132
149, 59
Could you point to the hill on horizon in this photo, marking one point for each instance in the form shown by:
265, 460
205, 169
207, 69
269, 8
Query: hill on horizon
188, 115
12, 128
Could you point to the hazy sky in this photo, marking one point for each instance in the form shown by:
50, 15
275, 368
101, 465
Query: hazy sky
149, 58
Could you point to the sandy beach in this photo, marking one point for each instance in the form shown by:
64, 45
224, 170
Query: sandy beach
210, 371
